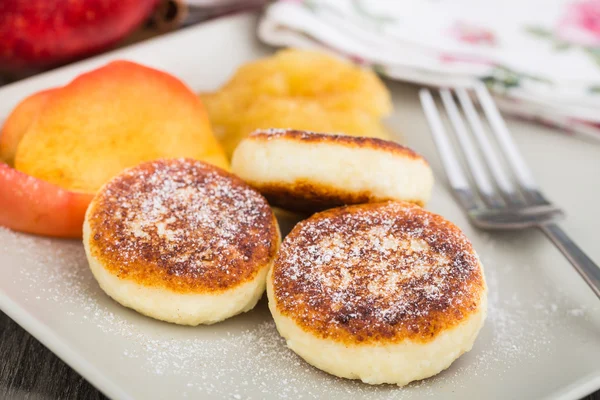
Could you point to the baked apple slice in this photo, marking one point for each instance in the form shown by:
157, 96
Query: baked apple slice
18, 121
31, 205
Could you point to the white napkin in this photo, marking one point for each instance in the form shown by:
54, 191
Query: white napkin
541, 56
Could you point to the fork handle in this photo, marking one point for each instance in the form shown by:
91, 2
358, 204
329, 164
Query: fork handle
589, 271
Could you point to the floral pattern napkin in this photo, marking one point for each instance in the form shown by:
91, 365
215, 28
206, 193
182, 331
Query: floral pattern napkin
540, 57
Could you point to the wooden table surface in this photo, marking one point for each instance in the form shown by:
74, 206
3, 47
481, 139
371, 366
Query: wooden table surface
30, 371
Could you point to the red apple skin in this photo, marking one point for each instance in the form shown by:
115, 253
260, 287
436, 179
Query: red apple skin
28, 204
42, 33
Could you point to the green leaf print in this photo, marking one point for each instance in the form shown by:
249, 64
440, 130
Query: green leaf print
559, 45
594, 89
311, 5
363, 12
539, 31
594, 52
508, 78
379, 69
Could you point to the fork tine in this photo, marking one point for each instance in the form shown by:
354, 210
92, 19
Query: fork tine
456, 177
477, 168
511, 152
494, 163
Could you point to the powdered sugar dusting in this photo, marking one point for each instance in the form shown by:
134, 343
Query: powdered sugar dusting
186, 218
245, 357
386, 268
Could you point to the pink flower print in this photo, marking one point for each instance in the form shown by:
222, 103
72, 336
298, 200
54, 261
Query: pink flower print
358, 59
473, 34
581, 24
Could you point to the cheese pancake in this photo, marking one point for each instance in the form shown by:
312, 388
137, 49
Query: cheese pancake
181, 241
383, 292
307, 172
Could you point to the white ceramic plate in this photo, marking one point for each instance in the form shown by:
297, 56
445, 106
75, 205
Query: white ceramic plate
541, 340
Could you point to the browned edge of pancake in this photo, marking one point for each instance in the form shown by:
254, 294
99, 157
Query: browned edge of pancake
308, 197
299, 296
346, 140
148, 261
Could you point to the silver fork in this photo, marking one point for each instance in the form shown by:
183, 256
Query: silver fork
513, 206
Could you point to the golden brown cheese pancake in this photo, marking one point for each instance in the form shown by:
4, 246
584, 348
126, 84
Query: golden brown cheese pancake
307, 172
383, 292
181, 241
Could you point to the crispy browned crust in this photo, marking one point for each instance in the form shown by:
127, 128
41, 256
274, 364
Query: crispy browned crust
346, 140
309, 197
349, 274
182, 225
